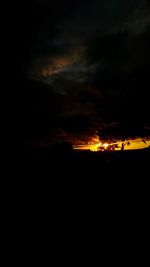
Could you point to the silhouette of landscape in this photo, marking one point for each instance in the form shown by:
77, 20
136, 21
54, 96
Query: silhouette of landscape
63, 153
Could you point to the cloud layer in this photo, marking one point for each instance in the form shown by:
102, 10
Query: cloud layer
90, 64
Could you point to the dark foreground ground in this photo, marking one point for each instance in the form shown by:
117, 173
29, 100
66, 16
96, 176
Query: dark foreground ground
47, 179
54, 154
68, 159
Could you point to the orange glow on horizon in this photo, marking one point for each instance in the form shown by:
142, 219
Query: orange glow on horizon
132, 145
105, 145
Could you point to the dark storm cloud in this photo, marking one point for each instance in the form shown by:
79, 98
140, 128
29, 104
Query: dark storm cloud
75, 29
123, 132
94, 57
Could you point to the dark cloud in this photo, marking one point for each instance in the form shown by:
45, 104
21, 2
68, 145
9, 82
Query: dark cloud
123, 132
89, 62
74, 25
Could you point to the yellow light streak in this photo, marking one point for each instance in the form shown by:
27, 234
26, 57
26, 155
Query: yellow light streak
134, 145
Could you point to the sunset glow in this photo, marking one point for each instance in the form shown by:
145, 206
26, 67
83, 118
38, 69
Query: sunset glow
134, 145
105, 145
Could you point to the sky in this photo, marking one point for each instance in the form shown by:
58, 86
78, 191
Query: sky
86, 67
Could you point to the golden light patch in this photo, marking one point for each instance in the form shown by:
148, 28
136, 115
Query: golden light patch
128, 145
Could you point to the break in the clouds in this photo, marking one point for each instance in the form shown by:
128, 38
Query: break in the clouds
90, 60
